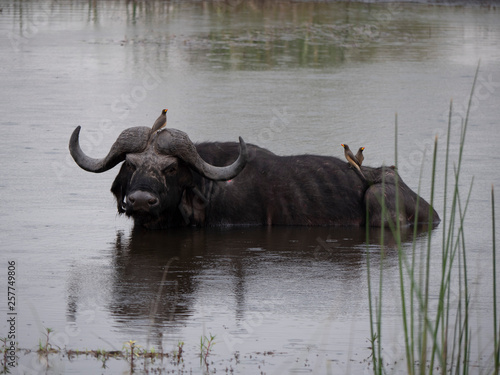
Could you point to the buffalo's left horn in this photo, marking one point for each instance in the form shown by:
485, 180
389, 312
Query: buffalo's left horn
177, 143
131, 140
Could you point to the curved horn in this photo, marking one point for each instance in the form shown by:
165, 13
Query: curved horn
177, 143
129, 141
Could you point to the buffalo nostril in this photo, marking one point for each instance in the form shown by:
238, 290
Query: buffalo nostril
152, 201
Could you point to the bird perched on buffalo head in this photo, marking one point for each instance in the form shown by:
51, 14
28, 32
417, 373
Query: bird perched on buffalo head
161, 121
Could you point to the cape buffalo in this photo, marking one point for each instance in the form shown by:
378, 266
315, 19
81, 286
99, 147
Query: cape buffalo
167, 181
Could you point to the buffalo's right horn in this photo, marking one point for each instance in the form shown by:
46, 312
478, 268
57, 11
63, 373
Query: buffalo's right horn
131, 140
177, 143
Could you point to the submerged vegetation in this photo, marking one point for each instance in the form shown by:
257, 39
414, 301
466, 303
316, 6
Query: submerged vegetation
437, 339
131, 352
139, 359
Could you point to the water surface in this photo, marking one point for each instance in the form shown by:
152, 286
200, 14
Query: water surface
291, 77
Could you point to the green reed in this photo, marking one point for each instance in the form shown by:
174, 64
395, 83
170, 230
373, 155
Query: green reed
496, 353
429, 346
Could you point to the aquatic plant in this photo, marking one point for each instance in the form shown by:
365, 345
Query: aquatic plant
129, 348
429, 344
206, 346
496, 329
178, 353
4, 360
47, 348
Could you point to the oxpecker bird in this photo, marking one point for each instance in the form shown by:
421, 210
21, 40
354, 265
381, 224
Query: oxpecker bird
161, 121
353, 162
360, 156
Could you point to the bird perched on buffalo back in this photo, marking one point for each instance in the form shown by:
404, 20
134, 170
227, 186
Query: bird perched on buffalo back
353, 162
161, 121
360, 156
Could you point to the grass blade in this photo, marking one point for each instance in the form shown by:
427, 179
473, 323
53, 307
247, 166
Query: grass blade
496, 333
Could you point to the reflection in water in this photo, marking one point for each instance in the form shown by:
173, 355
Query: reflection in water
158, 277
254, 34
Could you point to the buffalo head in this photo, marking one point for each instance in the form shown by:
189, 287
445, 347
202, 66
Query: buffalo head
158, 167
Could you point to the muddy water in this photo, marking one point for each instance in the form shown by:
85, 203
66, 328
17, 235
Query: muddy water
295, 78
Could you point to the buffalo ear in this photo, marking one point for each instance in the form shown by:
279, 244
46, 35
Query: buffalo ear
120, 185
193, 206
185, 176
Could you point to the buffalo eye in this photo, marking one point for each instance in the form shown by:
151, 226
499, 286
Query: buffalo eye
170, 170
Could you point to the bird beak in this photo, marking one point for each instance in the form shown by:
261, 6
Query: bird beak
342, 145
